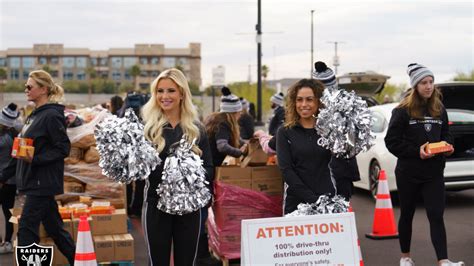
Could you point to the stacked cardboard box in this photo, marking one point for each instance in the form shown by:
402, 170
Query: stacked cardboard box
266, 179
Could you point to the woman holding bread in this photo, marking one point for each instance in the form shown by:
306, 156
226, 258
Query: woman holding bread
418, 120
40, 173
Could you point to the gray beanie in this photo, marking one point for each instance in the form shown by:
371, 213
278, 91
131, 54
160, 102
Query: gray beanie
8, 115
278, 98
229, 102
418, 72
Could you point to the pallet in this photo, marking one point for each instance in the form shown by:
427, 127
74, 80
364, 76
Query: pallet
117, 263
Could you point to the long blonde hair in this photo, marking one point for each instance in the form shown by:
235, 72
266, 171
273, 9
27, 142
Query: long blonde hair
44, 79
291, 115
214, 120
155, 119
415, 104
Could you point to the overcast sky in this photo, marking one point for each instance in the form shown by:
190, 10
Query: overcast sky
383, 36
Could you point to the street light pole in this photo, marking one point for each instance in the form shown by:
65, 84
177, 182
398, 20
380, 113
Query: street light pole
336, 57
312, 44
259, 64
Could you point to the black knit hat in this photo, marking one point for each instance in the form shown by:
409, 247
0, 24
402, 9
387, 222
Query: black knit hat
324, 74
229, 102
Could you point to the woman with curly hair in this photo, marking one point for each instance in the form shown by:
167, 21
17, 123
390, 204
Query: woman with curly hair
303, 163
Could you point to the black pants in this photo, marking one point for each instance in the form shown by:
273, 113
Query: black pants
43, 209
135, 197
433, 194
7, 200
163, 230
203, 248
345, 188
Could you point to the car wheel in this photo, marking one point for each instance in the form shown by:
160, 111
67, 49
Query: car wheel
374, 171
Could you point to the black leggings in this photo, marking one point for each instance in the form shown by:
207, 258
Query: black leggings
163, 230
433, 194
7, 200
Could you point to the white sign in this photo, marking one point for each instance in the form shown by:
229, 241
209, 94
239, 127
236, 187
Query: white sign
218, 76
326, 239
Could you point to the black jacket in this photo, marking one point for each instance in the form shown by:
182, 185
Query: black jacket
172, 136
404, 137
44, 176
246, 126
277, 120
224, 132
304, 166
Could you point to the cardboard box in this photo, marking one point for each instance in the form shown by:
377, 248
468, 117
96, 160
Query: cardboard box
124, 247
229, 160
109, 224
438, 147
271, 186
265, 172
256, 155
67, 225
104, 248
224, 173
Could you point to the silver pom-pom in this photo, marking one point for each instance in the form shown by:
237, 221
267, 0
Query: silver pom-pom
184, 187
125, 154
344, 124
324, 205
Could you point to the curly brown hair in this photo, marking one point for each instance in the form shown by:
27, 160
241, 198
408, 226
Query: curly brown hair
291, 115
213, 121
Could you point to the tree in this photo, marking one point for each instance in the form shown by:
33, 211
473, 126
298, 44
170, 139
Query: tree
460, 76
3, 73
92, 74
393, 91
47, 68
194, 88
135, 71
265, 70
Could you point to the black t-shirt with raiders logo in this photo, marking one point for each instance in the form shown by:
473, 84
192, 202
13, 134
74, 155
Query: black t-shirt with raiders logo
404, 137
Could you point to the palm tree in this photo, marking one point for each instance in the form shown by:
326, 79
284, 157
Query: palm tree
47, 68
265, 70
92, 74
135, 71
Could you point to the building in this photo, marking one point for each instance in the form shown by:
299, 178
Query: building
113, 64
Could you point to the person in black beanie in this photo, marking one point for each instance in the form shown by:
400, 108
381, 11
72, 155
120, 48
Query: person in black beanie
246, 124
344, 171
278, 118
419, 119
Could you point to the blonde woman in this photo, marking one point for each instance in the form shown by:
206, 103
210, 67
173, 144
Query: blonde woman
418, 119
40, 175
168, 115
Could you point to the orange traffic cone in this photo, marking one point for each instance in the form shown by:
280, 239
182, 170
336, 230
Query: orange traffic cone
85, 254
361, 261
384, 220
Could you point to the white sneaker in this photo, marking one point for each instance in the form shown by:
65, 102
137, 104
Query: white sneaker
6, 248
450, 263
407, 261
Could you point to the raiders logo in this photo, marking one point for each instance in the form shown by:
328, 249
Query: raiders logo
427, 127
34, 255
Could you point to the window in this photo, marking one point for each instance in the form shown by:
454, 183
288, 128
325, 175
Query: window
116, 75
81, 62
81, 75
127, 75
14, 62
28, 62
54, 60
104, 62
143, 60
42, 60
3, 62
68, 62
143, 74
26, 73
94, 61
154, 60
116, 62
379, 122
68, 75
54, 74
15, 74
169, 62
182, 61
154, 74
129, 61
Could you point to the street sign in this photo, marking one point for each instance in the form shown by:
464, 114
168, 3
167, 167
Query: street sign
218, 76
